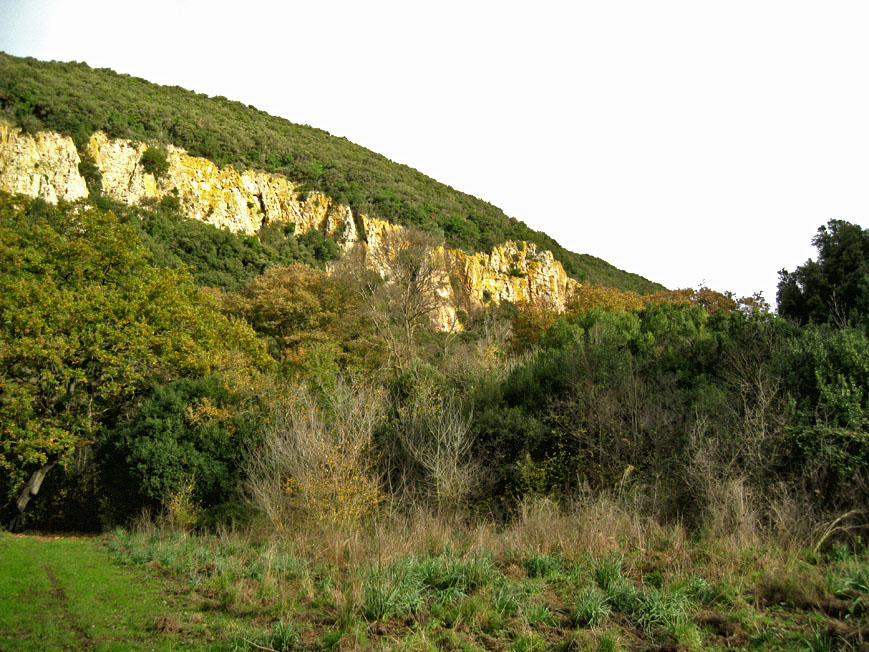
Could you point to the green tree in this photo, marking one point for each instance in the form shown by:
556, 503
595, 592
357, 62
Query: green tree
192, 431
835, 288
155, 161
87, 327
299, 309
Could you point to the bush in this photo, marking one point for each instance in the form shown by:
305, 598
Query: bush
315, 464
93, 178
155, 161
182, 451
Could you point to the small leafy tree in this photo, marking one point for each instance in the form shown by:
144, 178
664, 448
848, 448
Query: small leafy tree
155, 161
304, 316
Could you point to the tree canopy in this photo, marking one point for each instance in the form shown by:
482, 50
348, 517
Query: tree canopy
87, 326
834, 289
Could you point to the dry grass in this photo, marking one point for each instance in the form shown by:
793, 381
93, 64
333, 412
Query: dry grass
553, 578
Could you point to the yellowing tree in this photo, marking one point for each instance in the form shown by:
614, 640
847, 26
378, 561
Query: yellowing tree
87, 326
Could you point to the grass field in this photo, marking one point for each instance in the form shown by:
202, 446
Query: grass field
62, 593
427, 587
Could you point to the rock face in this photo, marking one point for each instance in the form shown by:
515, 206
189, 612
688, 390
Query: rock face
46, 165
516, 272
43, 165
224, 197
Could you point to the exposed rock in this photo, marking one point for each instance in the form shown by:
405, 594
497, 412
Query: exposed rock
46, 165
516, 272
224, 197
43, 165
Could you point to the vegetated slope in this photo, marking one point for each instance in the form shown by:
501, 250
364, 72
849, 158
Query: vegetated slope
77, 100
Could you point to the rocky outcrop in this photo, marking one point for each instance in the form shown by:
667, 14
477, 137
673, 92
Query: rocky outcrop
240, 201
516, 272
46, 165
43, 165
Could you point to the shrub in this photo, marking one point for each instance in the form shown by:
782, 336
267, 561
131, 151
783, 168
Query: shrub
93, 178
315, 463
155, 161
182, 450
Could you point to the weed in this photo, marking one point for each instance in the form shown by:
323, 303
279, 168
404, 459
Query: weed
446, 573
528, 643
537, 613
544, 566
849, 580
393, 590
608, 572
508, 599
818, 640
592, 608
697, 589
622, 595
608, 642
660, 609
471, 608
284, 636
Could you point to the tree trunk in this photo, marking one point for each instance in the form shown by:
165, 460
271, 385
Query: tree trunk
31, 488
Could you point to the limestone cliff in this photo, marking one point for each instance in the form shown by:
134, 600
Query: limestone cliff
224, 197
46, 165
516, 272
43, 165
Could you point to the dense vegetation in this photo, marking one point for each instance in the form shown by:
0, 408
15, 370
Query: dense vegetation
834, 289
219, 258
307, 456
77, 100
111, 348
592, 479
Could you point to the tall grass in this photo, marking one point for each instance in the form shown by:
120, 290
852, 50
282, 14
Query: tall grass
597, 575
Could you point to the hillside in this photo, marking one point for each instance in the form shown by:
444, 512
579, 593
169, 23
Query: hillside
76, 100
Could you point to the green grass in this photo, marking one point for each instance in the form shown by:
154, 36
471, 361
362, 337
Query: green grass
63, 593
169, 591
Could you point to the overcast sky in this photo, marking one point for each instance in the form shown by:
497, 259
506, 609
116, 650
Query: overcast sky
690, 142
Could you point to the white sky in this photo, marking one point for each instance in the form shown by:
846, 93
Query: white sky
690, 142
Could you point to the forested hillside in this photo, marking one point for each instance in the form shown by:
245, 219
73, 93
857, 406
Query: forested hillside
631, 472
280, 434
77, 100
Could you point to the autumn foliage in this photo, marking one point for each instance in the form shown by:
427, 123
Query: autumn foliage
88, 327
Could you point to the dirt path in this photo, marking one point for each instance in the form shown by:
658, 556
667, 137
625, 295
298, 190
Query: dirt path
81, 634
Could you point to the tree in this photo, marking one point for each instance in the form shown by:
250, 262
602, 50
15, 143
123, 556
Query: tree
291, 306
401, 282
316, 463
305, 316
154, 161
435, 431
192, 432
835, 288
88, 327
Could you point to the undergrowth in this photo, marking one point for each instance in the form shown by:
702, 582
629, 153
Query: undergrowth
424, 584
